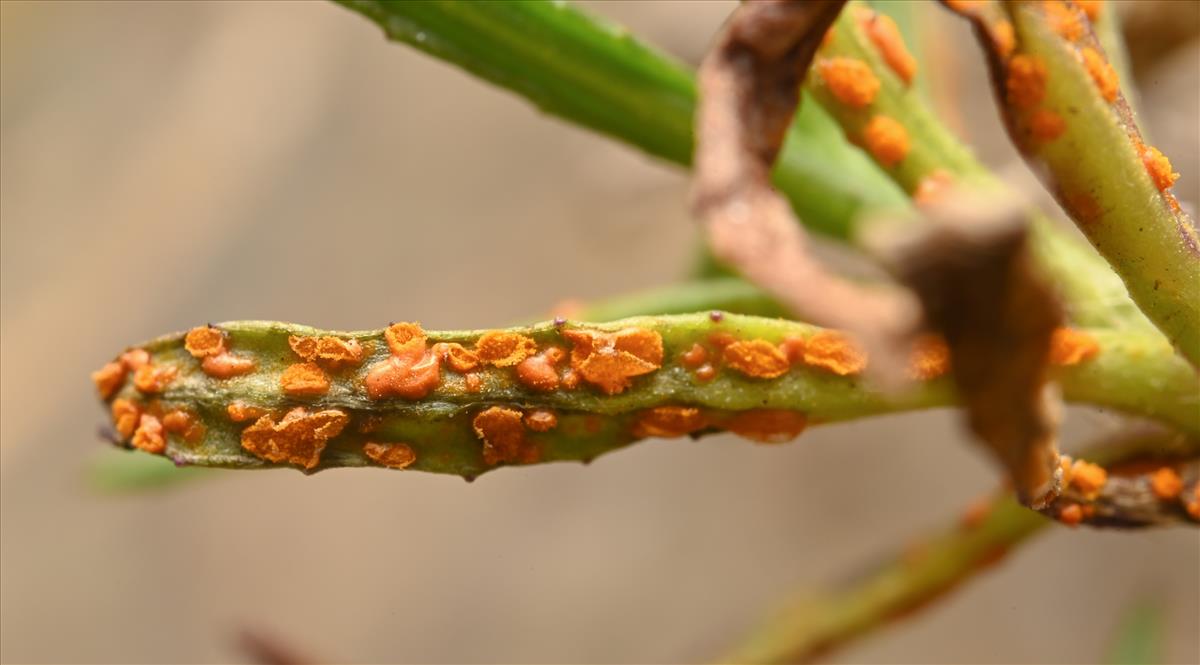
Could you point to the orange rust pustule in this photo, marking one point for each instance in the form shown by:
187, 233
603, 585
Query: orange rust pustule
706, 372
929, 359
153, 379
849, 80
694, 357
149, 435
456, 356
1193, 506
883, 32
1091, 8
391, 455
405, 340
472, 382
503, 436
298, 438
610, 360
767, 425
1064, 20
1070, 514
504, 349
328, 351
184, 424
226, 366
400, 377
1026, 81
109, 379
1102, 73
1046, 125
204, 342
240, 412
792, 348
757, 358
1166, 484
125, 416
304, 380
539, 372
1088, 478
669, 422
835, 352
933, 187
541, 420
1158, 166
1004, 38
886, 139
1071, 347
134, 359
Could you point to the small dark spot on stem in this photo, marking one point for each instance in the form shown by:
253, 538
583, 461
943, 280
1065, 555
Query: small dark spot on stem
560, 321
716, 316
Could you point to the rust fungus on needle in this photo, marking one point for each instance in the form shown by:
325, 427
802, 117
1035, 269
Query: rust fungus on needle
204, 342
504, 349
503, 436
109, 379
539, 372
411, 372
886, 139
929, 359
1070, 514
207, 344
328, 351
456, 356
135, 358
882, 31
304, 380
298, 438
406, 340
125, 416
757, 358
1026, 81
1102, 73
184, 424
1158, 166
226, 366
541, 420
473, 383
391, 455
669, 422
1046, 125
609, 361
1088, 478
1091, 8
792, 348
694, 357
835, 352
1063, 20
240, 412
151, 379
706, 372
768, 425
1071, 347
149, 435
1004, 38
849, 80
1166, 484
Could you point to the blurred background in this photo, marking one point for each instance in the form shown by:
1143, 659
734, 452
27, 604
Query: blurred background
167, 164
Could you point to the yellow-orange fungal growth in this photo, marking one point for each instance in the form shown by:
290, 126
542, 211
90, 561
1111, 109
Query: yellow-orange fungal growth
226, 366
304, 380
757, 358
1004, 38
1046, 125
929, 359
328, 351
1102, 73
135, 358
184, 424
610, 361
457, 357
1088, 478
1070, 514
539, 372
109, 379
933, 187
706, 372
391, 455
1026, 81
1091, 8
149, 435
1166, 484
504, 349
298, 438
1064, 20
240, 412
541, 420
1158, 166
411, 372
886, 139
849, 80
204, 342
966, 6
792, 348
694, 357
125, 416
151, 379
882, 31
767, 425
669, 421
835, 352
473, 383
1193, 506
405, 340
1071, 347
503, 436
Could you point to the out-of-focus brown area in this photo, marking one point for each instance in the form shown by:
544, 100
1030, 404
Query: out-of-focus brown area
167, 164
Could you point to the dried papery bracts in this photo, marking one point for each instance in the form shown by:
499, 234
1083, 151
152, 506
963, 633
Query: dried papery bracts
466, 402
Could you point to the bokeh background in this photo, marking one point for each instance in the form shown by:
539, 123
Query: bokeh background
167, 164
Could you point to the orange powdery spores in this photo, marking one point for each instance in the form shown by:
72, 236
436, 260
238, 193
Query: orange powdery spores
757, 358
1064, 20
391, 455
152, 379
1071, 347
694, 357
504, 349
109, 379
886, 139
1158, 166
1026, 81
204, 342
457, 357
767, 425
541, 420
1004, 38
298, 438
1071, 514
834, 351
126, 414
1102, 73
304, 380
540, 372
930, 358
1046, 125
503, 436
240, 412
1091, 8
226, 366
1166, 484
184, 424
149, 435
610, 360
669, 422
882, 32
410, 372
1088, 478
327, 351
208, 344
849, 80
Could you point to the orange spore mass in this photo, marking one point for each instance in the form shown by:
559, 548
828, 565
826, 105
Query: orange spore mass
504, 349
1064, 20
541, 420
669, 422
304, 380
694, 357
610, 360
757, 358
226, 366
886, 139
1026, 81
149, 435
1102, 73
1088, 478
849, 80
1166, 484
1071, 347
929, 359
1046, 125
299, 438
835, 352
204, 342
109, 379
125, 416
457, 357
768, 425
1159, 167
240, 412
503, 436
391, 455
882, 31
1071, 514
400, 377
151, 379
538, 372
